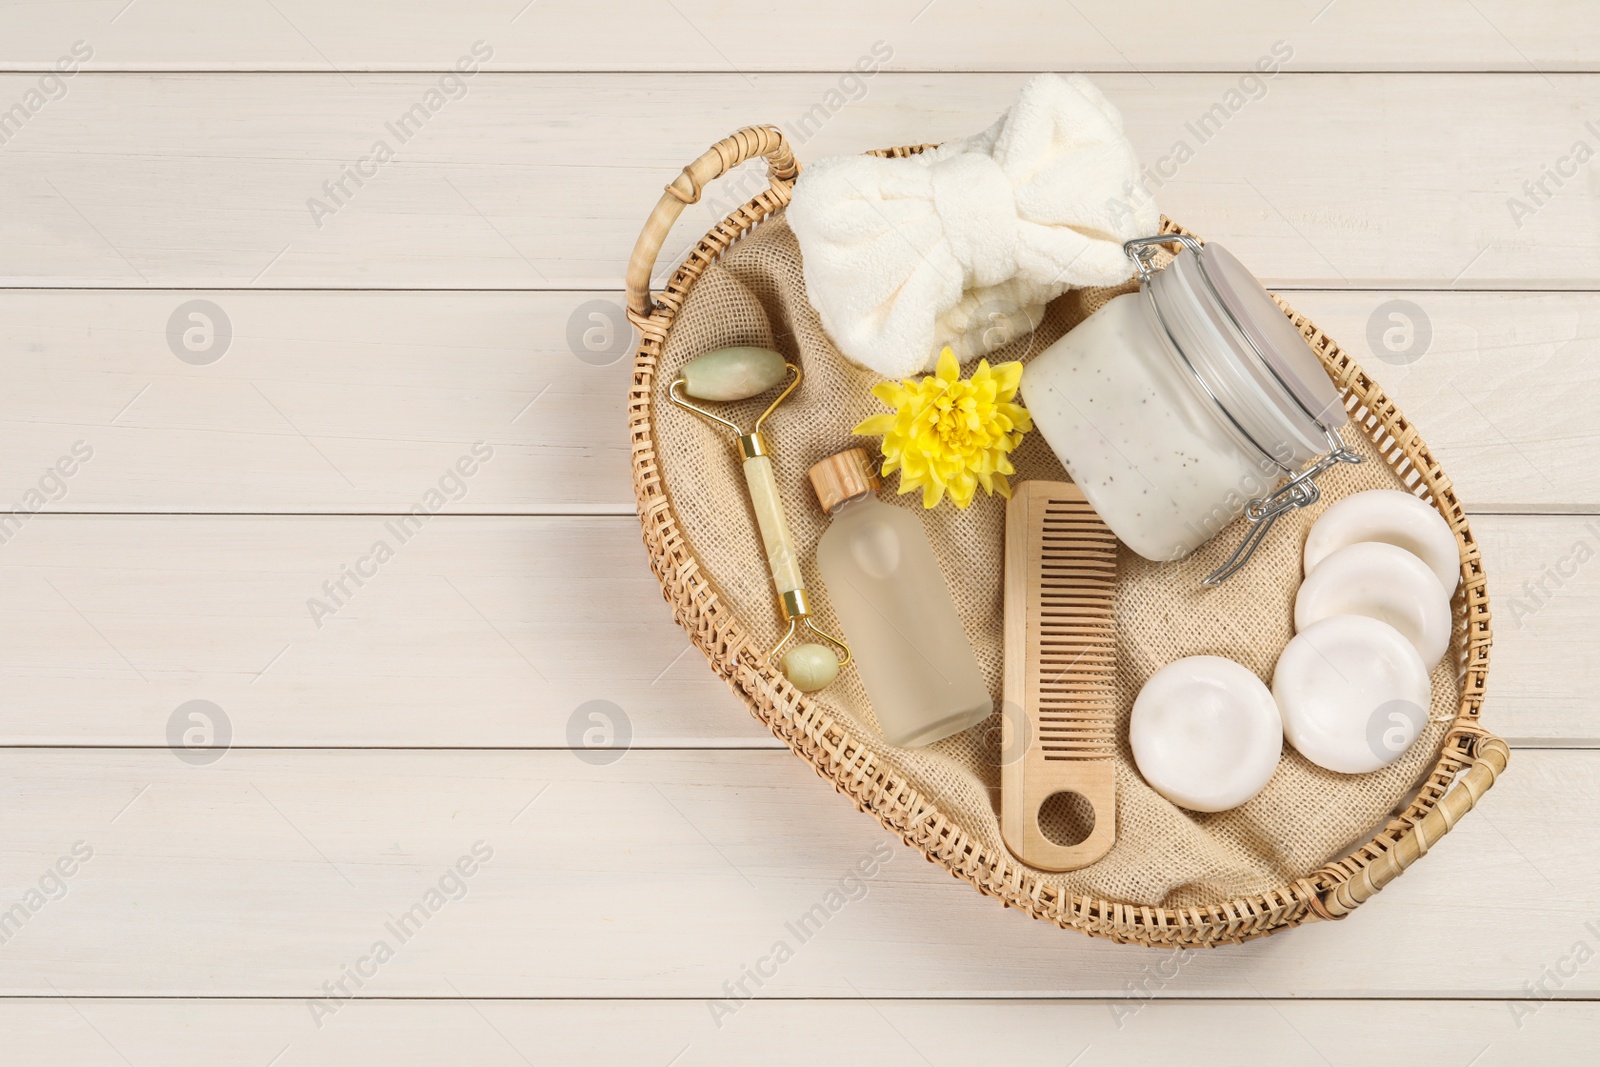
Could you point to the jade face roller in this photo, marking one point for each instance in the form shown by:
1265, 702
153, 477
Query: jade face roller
728, 374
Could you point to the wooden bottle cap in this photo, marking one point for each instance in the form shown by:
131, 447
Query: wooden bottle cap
844, 476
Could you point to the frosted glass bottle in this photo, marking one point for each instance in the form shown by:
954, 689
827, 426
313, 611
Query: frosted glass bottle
909, 648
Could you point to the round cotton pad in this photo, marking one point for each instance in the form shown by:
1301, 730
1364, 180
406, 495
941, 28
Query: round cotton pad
1395, 518
1381, 582
1206, 733
1353, 693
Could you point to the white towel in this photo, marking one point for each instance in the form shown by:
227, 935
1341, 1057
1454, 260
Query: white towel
964, 245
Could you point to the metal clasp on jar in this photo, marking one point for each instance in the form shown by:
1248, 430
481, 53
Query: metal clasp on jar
1298, 492
1301, 488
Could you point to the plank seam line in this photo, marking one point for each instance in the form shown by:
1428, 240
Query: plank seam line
1542, 745
1329, 998
947, 72
1486, 510
1295, 287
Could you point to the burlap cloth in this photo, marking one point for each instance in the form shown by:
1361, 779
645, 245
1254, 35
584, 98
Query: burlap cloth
1164, 856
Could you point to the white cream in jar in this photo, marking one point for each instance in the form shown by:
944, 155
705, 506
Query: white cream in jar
1173, 408
1135, 437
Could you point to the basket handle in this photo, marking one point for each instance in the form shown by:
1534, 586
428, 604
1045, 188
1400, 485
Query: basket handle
745, 144
1490, 756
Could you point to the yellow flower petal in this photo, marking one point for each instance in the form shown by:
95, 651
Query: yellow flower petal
877, 424
950, 436
890, 393
1018, 415
1008, 376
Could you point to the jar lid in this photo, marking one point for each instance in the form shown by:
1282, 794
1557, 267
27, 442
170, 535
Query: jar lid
843, 476
1247, 356
1281, 347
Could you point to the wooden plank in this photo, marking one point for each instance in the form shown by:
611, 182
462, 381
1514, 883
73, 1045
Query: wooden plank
1211, 1033
543, 181
358, 401
497, 633
700, 35
477, 632
1475, 373
667, 874
318, 402
1545, 594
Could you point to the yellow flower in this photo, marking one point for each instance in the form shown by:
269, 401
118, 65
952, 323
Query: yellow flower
947, 435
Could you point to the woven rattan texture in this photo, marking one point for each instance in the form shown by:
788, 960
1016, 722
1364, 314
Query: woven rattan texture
1173, 876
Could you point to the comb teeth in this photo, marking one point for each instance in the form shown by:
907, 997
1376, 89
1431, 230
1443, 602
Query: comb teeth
1070, 624
1057, 734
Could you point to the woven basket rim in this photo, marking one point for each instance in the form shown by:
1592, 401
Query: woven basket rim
850, 761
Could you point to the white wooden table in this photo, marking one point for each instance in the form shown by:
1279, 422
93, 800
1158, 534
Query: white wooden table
378, 737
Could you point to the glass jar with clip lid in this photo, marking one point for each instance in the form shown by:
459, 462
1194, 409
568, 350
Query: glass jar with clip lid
1189, 403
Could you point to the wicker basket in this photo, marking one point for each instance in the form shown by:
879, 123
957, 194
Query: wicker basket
851, 762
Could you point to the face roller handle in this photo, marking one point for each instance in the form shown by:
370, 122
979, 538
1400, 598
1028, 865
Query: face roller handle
779, 545
775, 536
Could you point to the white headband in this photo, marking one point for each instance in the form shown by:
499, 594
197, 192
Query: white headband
905, 256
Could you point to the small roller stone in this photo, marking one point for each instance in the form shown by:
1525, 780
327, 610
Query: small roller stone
810, 667
733, 373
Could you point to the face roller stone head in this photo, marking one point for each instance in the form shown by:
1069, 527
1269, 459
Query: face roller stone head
729, 374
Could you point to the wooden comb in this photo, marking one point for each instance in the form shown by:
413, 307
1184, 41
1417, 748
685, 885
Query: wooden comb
1061, 565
